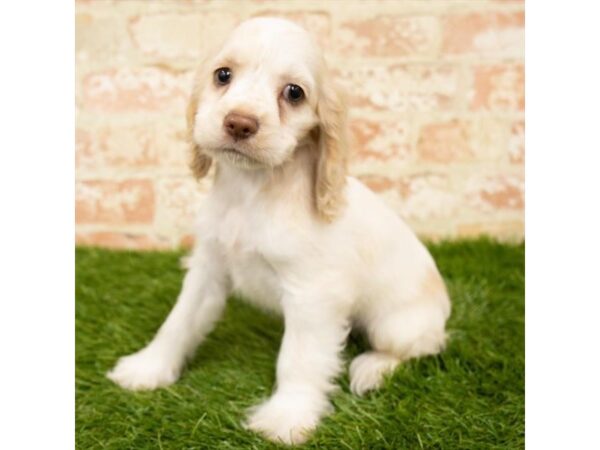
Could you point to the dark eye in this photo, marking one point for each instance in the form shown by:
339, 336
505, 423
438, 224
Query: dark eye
223, 76
293, 93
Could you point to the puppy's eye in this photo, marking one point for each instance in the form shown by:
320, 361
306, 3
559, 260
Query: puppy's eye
293, 93
223, 76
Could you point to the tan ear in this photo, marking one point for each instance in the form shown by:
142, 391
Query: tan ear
333, 151
200, 161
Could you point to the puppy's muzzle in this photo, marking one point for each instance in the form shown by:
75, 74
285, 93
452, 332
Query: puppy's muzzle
240, 126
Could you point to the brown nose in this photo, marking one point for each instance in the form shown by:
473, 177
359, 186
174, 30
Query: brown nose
239, 126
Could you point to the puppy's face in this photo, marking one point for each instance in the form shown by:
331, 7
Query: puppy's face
258, 97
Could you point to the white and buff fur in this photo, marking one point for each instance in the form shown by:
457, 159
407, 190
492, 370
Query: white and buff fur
288, 229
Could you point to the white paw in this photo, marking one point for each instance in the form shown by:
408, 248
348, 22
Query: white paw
288, 418
367, 371
145, 370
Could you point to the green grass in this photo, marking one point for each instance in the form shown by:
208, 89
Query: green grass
470, 397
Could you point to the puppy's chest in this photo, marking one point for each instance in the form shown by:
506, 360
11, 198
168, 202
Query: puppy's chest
257, 251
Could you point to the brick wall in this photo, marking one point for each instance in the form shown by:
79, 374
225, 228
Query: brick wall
437, 116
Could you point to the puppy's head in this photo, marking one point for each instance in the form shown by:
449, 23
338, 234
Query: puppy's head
262, 94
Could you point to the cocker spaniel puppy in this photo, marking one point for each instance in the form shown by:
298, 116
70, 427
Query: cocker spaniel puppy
288, 229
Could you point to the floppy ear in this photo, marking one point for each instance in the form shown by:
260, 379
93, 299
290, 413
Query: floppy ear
200, 162
331, 170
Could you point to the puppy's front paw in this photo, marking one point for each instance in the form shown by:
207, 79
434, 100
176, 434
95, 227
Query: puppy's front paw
288, 418
145, 370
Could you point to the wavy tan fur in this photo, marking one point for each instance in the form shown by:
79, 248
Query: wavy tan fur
332, 163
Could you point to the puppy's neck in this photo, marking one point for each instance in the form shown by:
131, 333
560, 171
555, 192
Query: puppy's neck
290, 183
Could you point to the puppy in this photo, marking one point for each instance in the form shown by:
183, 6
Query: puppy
286, 228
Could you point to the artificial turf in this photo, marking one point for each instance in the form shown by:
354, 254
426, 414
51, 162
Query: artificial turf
469, 397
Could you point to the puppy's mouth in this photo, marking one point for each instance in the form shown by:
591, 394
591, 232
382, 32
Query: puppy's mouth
239, 158
236, 152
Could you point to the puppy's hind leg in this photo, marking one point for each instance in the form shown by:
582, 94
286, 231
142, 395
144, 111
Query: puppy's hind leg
410, 330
